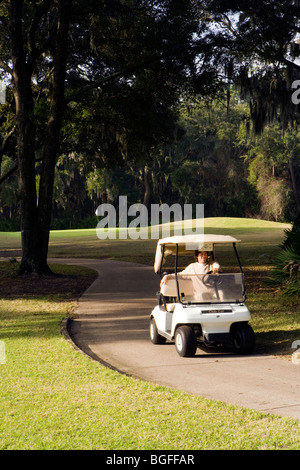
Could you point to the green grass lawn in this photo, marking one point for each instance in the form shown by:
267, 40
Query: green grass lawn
53, 397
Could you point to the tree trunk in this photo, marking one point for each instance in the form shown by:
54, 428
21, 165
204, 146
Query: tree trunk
147, 191
25, 131
294, 183
35, 220
51, 146
26, 187
292, 174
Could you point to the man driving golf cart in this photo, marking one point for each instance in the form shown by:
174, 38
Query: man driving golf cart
198, 304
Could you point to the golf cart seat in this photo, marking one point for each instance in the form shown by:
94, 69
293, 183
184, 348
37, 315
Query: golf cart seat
170, 288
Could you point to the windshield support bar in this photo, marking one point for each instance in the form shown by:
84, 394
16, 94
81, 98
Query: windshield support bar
161, 261
241, 269
176, 267
238, 258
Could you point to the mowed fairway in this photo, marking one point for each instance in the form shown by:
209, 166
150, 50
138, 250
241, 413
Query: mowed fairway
259, 238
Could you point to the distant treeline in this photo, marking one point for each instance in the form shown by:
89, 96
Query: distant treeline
214, 160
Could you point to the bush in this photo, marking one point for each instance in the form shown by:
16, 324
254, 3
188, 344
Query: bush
286, 271
67, 224
9, 225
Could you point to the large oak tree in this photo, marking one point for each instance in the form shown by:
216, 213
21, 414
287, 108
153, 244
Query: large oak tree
60, 53
35, 31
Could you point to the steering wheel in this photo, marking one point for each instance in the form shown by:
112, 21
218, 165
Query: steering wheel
212, 280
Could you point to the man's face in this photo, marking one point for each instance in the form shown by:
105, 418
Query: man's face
202, 257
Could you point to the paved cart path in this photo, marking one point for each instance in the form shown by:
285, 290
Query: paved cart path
112, 326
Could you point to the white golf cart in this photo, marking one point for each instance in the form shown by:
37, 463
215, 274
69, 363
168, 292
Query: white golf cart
194, 309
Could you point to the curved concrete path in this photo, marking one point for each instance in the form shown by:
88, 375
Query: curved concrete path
112, 325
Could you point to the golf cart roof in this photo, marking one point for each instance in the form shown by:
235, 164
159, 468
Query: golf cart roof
188, 244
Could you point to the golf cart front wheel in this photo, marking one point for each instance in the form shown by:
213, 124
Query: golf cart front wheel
243, 339
155, 337
185, 341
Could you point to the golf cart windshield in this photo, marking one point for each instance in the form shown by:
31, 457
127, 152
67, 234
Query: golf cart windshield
206, 288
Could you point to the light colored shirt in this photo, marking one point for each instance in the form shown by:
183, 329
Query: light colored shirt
202, 291
199, 268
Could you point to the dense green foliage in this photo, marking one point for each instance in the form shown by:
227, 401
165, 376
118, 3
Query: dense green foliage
214, 159
160, 102
285, 273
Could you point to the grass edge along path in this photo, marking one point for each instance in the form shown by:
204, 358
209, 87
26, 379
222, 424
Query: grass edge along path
52, 397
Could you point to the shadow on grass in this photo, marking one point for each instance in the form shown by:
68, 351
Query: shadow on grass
277, 342
45, 325
68, 282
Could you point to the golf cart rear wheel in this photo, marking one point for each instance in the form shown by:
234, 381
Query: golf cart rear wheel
185, 341
243, 339
155, 337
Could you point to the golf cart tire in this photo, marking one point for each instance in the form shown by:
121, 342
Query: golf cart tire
185, 341
243, 338
155, 337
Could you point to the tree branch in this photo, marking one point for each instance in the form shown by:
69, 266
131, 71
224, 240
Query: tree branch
8, 174
109, 78
34, 52
4, 142
5, 67
291, 64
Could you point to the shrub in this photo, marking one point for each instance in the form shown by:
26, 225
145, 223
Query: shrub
286, 271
